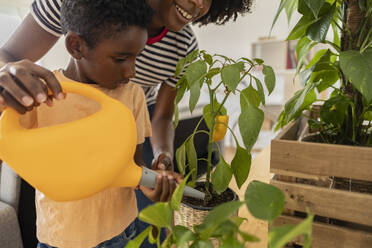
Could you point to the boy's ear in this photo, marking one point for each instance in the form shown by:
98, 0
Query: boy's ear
75, 45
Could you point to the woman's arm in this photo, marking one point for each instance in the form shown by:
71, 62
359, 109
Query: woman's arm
163, 129
29, 41
21, 81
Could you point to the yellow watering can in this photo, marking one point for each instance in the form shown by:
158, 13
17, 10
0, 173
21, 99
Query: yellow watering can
74, 160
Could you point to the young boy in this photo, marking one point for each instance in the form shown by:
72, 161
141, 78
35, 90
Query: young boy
104, 38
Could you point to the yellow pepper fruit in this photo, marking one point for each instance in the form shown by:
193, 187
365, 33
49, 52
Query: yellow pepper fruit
220, 127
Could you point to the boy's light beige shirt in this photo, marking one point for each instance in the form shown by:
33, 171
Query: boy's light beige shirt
90, 221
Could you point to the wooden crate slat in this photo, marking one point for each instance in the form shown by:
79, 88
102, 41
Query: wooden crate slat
322, 159
338, 204
326, 236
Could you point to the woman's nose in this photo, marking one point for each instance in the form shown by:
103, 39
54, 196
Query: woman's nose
198, 3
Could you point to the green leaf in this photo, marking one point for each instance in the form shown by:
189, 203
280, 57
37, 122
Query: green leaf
178, 193
303, 8
357, 68
318, 30
289, 8
336, 35
222, 175
322, 55
160, 215
327, 78
216, 217
241, 165
334, 110
315, 6
300, 29
213, 72
202, 244
226, 228
269, 78
151, 238
230, 241
305, 99
195, 72
368, 116
250, 123
249, 237
292, 109
194, 96
179, 67
258, 61
192, 56
280, 236
302, 49
230, 76
249, 96
208, 58
183, 235
176, 115
138, 240
282, 4
192, 159
182, 85
264, 201
181, 158
260, 89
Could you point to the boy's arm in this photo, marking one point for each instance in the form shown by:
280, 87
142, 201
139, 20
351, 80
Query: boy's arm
138, 155
28, 43
165, 181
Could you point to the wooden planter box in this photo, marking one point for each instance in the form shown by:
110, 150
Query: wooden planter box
291, 159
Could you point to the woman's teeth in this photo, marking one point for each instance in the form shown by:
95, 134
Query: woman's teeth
184, 13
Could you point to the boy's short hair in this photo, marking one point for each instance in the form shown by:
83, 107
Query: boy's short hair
222, 11
96, 19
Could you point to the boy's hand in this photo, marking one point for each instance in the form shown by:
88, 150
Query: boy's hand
162, 162
164, 187
24, 85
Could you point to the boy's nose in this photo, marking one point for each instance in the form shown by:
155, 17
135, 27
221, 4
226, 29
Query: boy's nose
129, 71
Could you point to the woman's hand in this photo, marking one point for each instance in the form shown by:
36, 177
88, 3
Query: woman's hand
24, 85
164, 187
163, 161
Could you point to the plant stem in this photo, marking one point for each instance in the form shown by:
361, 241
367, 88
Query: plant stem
210, 143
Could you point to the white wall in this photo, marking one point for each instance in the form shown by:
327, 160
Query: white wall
235, 39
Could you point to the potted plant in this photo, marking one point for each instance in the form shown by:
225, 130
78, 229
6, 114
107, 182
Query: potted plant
340, 125
264, 202
221, 77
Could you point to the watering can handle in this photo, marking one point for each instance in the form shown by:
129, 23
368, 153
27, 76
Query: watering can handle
148, 179
12, 117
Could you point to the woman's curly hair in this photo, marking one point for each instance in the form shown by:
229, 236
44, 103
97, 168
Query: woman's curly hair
95, 19
222, 11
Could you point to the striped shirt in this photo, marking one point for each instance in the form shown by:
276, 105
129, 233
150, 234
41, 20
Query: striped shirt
154, 66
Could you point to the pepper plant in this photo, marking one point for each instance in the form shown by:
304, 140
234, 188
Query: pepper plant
264, 202
346, 116
218, 73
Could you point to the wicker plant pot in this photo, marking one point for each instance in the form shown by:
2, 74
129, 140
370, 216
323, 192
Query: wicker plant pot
194, 215
343, 217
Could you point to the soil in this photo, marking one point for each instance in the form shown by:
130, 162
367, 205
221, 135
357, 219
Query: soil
216, 200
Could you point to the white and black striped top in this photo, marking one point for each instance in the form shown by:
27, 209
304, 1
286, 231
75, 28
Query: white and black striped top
154, 66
